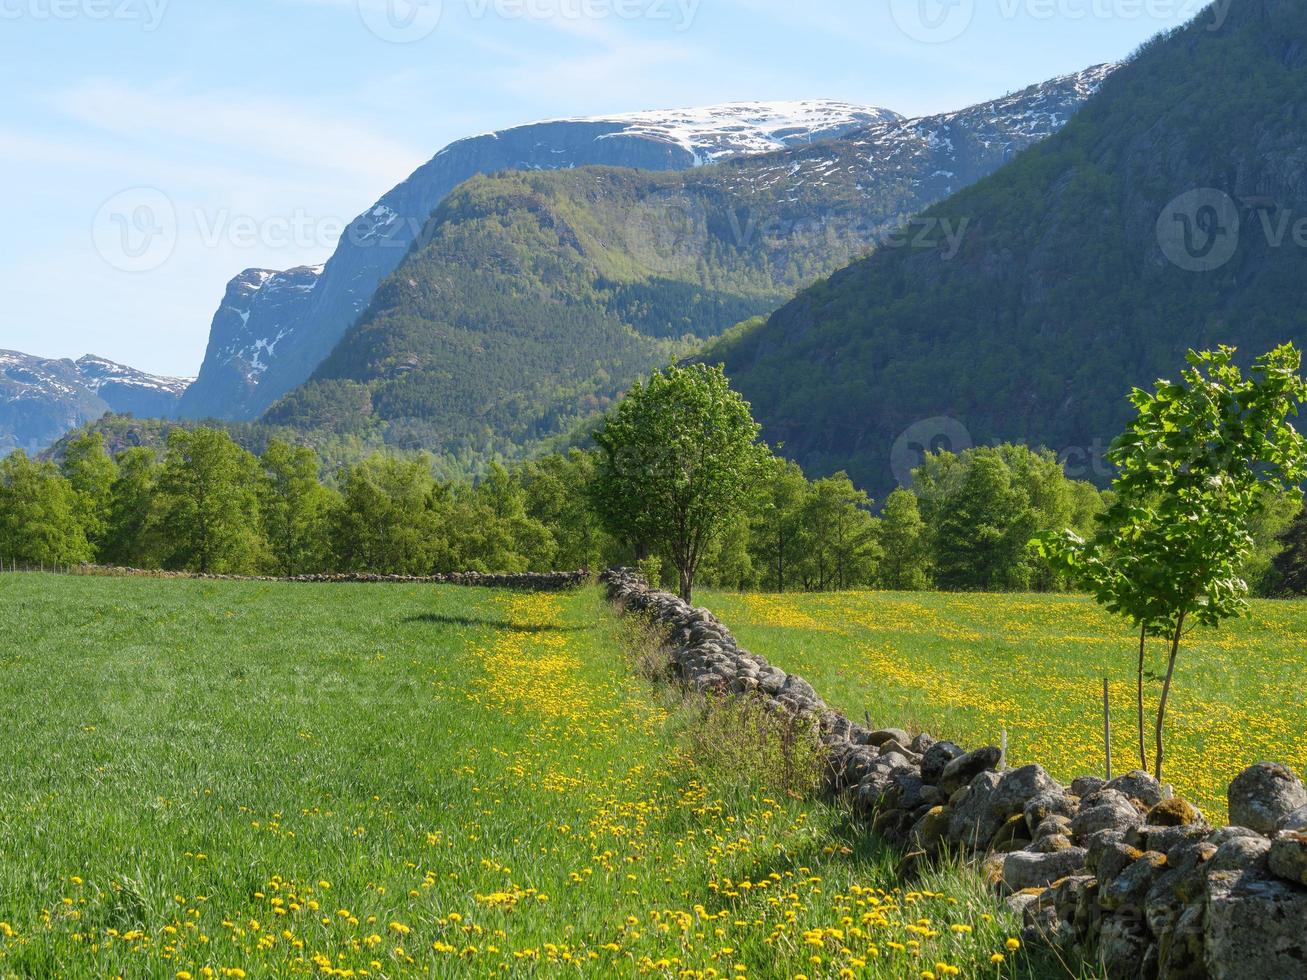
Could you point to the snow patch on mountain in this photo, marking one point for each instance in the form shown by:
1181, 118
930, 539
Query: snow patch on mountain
99, 372
272, 297
711, 133
42, 398
938, 151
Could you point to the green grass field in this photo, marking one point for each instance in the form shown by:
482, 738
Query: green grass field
221, 779
968, 666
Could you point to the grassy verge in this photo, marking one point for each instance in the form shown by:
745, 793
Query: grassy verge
250, 779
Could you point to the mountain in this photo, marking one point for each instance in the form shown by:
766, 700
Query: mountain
1167, 214
534, 298
273, 328
41, 399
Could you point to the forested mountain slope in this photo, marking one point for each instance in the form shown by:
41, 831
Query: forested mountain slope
273, 328
533, 299
1168, 214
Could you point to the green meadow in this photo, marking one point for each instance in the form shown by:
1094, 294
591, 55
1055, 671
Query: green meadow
219, 779
971, 666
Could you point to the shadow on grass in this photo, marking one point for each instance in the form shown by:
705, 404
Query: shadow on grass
443, 619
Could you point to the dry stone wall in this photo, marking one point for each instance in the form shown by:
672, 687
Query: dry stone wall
524, 581
1121, 871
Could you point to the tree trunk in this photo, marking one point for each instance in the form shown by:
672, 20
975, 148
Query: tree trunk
687, 585
780, 563
1166, 694
1143, 744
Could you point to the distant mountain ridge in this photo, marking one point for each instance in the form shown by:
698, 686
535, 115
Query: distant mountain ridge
943, 153
261, 346
42, 398
534, 299
1075, 281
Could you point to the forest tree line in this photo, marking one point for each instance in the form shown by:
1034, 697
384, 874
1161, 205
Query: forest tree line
204, 504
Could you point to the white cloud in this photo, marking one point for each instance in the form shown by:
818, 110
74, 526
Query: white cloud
241, 125
223, 158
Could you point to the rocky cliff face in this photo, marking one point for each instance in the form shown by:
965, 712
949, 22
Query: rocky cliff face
41, 399
258, 312
260, 347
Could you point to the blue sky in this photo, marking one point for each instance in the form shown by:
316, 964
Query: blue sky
268, 124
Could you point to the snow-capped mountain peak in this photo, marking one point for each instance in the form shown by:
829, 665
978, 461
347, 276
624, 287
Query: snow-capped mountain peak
99, 373
42, 398
267, 297
711, 133
940, 154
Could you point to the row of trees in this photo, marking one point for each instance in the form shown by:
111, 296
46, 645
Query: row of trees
207, 505
682, 479
679, 481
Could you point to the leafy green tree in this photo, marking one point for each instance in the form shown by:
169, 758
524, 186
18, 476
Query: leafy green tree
90, 471
556, 497
507, 538
679, 462
1052, 499
729, 561
391, 518
936, 483
981, 542
1195, 468
1029, 491
208, 503
839, 534
1268, 527
777, 524
294, 508
1087, 505
905, 560
39, 514
131, 536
